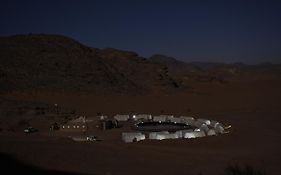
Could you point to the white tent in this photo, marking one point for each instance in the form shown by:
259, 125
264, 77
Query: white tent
142, 116
214, 123
102, 117
177, 120
79, 138
119, 117
159, 118
168, 117
153, 135
206, 121
198, 124
188, 120
187, 117
211, 132
219, 129
132, 136
179, 133
204, 128
194, 134
182, 132
162, 136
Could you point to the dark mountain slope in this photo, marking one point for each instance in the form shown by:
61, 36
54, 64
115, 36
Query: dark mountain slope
184, 72
59, 63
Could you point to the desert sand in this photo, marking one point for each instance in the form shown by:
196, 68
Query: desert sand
252, 108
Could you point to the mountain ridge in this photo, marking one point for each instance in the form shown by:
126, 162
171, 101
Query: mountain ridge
59, 63
55, 62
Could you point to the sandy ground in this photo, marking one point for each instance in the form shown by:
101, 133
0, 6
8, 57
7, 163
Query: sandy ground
252, 108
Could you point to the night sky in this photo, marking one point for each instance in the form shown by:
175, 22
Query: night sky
214, 31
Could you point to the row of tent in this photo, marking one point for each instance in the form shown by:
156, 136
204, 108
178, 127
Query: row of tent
124, 118
168, 118
137, 117
204, 127
162, 118
162, 135
202, 124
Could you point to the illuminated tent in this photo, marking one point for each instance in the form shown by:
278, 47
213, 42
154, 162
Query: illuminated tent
176, 120
163, 136
204, 128
188, 120
153, 135
182, 132
211, 132
142, 116
194, 134
206, 121
119, 117
132, 137
161, 118
219, 129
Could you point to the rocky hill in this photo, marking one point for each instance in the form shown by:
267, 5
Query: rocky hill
185, 72
58, 63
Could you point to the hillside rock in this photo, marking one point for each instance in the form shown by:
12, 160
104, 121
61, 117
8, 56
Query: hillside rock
59, 63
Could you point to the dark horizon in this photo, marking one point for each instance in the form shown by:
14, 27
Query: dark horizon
201, 31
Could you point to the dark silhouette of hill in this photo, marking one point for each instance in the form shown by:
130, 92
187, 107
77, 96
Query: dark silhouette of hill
184, 72
59, 63
158, 58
